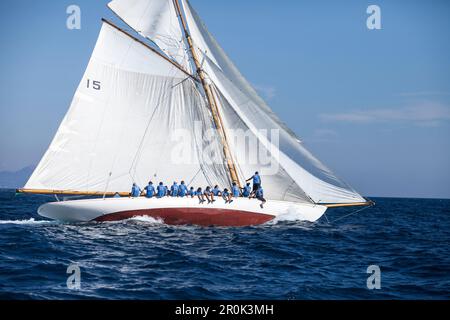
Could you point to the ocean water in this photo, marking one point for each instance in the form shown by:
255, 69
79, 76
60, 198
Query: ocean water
141, 258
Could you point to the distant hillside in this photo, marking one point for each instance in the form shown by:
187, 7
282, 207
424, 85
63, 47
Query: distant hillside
16, 179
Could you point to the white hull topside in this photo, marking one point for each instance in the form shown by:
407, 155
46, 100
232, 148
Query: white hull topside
180, 210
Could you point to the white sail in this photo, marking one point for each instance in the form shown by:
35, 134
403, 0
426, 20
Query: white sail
119, 126
296, 163
155, 20
133, 101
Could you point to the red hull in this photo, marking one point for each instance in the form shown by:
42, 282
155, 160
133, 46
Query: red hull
195, 216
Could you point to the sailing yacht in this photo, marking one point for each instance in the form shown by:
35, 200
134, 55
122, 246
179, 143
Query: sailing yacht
172, 79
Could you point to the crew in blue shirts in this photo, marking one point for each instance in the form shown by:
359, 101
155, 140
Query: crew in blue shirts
192, 192
216, 191
209, 195
150, 190
161, 190
174, 190
182, 190
200, 195
135, 191
260, 196
246, 191
256, 181
227, 196
235, 190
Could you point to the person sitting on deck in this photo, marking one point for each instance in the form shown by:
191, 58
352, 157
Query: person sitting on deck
174, 190
256, 181
260, 196
192, 192
200, 195
182, 191
209, 195
235, 190
150, 190
227, 196
167, 191
216, 191
246, 191
161, 189
135, 191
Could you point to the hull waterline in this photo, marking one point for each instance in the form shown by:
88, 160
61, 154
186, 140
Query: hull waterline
177, 211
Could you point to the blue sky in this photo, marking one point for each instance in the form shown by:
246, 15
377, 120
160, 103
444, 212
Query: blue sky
373, 105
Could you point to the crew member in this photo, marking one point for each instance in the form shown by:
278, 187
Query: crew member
235, 190
150, 190
209, 195
227, 196
135, 191
256, 181
161, 190
183, 190
174, 190
260, 196
246, 191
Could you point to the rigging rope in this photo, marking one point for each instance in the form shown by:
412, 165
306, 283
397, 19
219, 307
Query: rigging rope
353, 213
167, 95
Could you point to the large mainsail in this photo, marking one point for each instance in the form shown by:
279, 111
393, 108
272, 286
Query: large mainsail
132, 99
118, 129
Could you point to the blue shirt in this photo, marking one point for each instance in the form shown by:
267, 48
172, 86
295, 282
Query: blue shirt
256, 179
225, 194
174, 190
260, 193
236, 192
161, 191
135, 191
246, 191
182, 191
216, 191
150, 191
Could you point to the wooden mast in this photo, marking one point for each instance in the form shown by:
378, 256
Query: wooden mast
211, 99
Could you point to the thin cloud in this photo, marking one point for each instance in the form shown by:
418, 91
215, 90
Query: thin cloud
428, 114
424, 93
268, 92
324, 135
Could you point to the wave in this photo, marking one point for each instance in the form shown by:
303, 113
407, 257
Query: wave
146, 219
31, 221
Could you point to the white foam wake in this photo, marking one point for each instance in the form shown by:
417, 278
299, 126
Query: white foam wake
146, 219
286, 217
29, 221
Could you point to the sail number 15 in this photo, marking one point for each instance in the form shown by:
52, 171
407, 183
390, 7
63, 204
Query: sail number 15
96, 85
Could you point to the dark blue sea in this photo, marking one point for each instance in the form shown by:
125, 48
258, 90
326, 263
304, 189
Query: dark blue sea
409, 239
